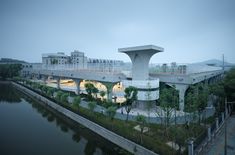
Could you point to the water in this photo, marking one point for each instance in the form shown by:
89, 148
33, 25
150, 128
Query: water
26, 127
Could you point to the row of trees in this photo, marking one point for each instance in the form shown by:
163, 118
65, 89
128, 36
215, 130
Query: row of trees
9, 70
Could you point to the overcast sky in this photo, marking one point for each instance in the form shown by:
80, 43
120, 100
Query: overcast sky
188, 30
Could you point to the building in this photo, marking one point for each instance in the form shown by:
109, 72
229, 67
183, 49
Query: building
78, 60
55, 60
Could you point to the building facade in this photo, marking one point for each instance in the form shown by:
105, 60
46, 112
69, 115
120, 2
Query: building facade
77, 60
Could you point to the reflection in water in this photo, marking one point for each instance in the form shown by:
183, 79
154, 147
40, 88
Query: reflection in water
76, 137
7, 94
41, 130
90, 148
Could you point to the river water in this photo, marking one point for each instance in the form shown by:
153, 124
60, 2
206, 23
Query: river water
29, 128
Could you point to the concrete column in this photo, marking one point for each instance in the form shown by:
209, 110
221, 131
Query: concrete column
209, 134
217, 122
190, 147
182, 89
109, 87
140, 56
77, 82
58, 83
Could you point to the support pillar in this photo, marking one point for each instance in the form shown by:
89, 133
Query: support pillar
58, 83
77, 82
109, 87
182, 89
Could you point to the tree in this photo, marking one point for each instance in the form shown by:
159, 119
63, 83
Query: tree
131, 97
111, 111
95, 91
203, 99
179, 135
91, 106
197, 99
64, 97
9, 70
76, 102
44, 89
50, 91
102, 94
168, 103
229, 85
218, 96
141, 121
90, 88
58, 95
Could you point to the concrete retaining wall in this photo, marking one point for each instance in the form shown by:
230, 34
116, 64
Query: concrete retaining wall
111, 136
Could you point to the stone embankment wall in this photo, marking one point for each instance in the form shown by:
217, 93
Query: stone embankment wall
107, 134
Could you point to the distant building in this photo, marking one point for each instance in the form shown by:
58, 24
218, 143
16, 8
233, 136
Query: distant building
78, 60
182, 69
173, 67
164, 68
55, 59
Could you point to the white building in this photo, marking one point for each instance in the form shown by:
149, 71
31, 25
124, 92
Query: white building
54, 60
78, 60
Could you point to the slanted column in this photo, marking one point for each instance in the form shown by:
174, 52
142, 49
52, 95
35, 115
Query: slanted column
182, 89
109, 87
58, 83
77, 82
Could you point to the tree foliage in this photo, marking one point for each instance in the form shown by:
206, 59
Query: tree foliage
92, 106
9, 70
229, 85
131, 96
168, 102
76, 102
141, 119
111, 111
91, 89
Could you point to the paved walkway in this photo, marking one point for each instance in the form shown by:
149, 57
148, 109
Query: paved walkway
217, 147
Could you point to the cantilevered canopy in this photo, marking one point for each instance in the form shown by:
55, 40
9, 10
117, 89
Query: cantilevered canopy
151, 48
140, 56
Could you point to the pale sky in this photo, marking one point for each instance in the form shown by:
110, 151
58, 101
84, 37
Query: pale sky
188, 30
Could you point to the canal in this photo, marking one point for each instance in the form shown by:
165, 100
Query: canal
28, 127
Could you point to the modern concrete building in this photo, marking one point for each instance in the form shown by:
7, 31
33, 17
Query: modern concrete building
148, 90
